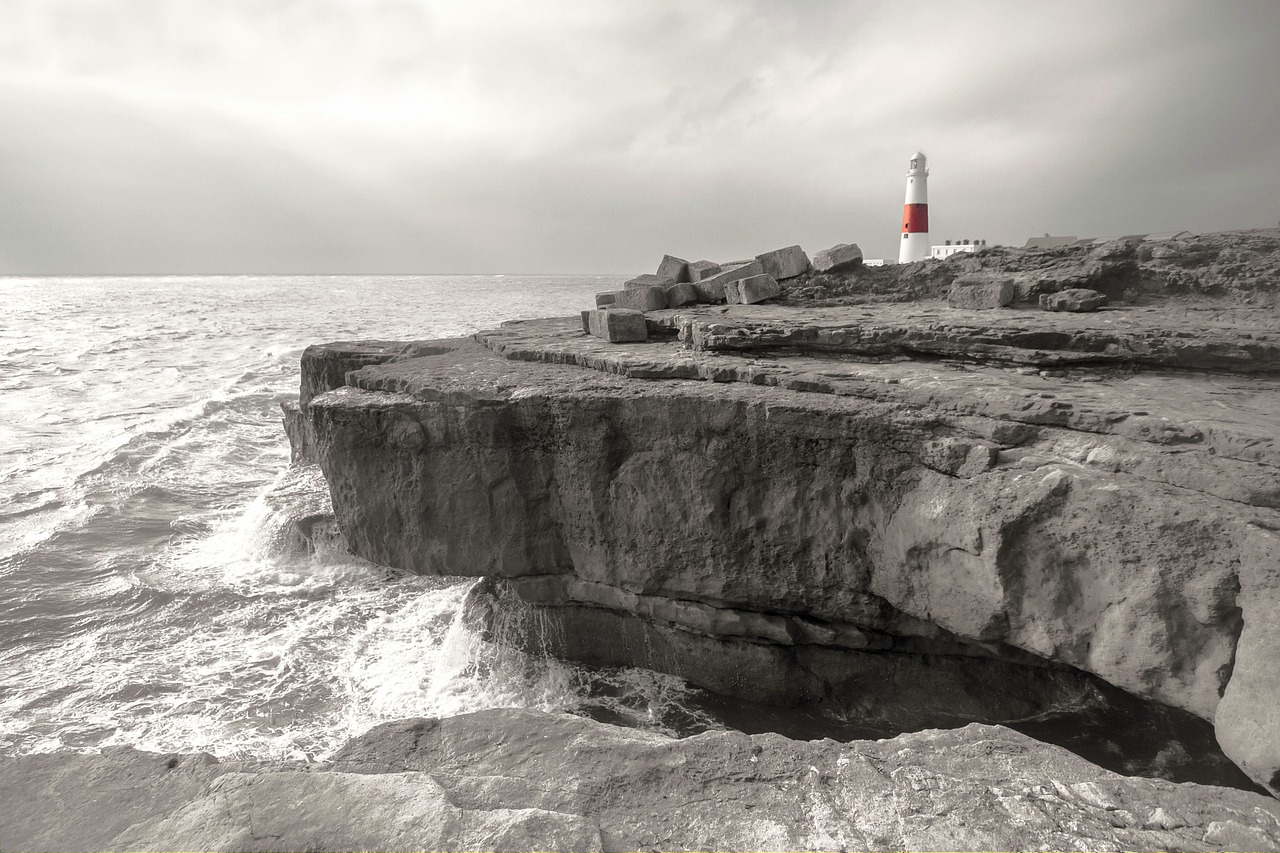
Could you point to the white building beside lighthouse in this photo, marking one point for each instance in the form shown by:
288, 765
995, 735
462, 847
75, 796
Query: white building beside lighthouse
915, 213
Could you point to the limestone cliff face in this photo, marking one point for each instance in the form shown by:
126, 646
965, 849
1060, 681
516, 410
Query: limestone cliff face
782, 545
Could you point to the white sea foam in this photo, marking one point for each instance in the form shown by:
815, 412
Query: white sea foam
172, 613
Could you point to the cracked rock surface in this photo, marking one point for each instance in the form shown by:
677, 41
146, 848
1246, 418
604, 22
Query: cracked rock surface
769, 515
528, 780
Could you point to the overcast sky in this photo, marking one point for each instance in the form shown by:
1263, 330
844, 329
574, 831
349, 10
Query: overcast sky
148, 136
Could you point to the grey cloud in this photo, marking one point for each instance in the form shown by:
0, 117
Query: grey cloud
594, 137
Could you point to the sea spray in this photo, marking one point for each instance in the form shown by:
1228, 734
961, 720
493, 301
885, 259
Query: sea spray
162, 587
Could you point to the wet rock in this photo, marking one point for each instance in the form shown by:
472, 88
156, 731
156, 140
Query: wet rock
618, 325
980, 292
1075, 299
302, 447
1238, 342
781, 264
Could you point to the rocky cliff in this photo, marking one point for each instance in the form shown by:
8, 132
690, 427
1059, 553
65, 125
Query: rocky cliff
903, 512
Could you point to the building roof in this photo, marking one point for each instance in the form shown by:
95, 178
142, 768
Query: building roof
1047, 242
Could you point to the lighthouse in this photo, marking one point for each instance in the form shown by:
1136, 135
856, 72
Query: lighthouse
915, 213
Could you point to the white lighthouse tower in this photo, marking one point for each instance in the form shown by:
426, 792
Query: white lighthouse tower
915, 214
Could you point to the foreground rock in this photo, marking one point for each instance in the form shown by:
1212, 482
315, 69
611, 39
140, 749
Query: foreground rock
527, 780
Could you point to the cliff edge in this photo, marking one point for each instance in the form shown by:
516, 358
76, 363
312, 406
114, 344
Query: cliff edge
880, 509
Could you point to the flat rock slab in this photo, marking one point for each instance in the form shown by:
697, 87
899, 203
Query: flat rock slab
1239, 341
528, 780
1225, 416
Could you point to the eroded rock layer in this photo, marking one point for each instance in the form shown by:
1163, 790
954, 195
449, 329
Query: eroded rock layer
936, 513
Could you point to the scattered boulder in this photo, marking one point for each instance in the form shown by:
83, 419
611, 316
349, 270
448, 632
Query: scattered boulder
785, 263
673, 268
1077, 299
747, 291
586, 321
682, 294
648, 280
712, 288
648, 298
839, 258
972, 291
698, 270
618, 325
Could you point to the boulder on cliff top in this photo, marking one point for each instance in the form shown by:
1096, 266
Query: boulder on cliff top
673, 268
711, 288
784, 263
645, 298
1074, 299
618, 325
648, 280
980, 292
839, 258
748, 291
679, 295
698, 270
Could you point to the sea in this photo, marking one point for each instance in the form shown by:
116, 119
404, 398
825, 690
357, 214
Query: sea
143, 599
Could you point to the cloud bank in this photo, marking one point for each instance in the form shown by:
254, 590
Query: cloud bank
147, 136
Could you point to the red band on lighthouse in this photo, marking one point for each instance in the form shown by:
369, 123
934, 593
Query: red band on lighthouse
915, 219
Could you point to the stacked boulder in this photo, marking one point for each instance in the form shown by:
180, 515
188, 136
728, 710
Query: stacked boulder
841, 257
619, 314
